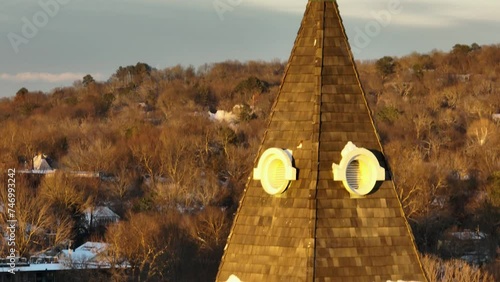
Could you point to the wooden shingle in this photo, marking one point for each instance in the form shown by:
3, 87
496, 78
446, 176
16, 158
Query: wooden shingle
315, 231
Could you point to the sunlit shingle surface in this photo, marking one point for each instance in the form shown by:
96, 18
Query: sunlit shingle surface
315, 231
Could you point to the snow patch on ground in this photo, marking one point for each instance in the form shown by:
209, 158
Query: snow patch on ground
469, 235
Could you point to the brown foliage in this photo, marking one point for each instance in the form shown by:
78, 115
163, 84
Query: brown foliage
148, 132
454, 270
38, 228
145, 241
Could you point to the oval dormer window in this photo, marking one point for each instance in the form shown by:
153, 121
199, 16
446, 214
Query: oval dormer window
277, 174
275, 170
359, 170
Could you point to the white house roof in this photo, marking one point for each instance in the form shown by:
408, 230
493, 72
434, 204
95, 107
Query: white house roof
469, 235
40, 163
86, 252
223, 116
37, 267
100, 212
87, 256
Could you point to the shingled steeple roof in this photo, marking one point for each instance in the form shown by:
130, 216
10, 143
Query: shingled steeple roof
315, 230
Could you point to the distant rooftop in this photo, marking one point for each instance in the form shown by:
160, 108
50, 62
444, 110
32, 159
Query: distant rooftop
91, 255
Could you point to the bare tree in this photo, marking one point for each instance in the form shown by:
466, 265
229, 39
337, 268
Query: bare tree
454, 270
209, 228
177, 156
36, 224
145, 242
423, 123
94, 155
123, 181
482, 131
147, 152
61, 194
404, 89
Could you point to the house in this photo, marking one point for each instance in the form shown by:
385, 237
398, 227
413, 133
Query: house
26, 271
472, 246
223, 116
100, 216
495, 117
91, 255
42, 166
40, 163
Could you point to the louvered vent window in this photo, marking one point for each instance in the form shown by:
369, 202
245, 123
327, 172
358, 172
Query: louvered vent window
353, 175
359, 170
275, 170
277, 174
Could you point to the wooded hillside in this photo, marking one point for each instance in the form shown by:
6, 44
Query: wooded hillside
173, 149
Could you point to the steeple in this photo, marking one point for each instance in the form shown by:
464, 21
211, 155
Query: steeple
317, 207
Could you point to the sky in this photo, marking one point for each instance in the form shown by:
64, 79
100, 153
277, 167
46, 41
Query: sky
46, 44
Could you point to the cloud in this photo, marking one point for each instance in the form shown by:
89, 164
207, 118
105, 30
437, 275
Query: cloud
422, 13
425, 13
291, 6
415, 13
420, 10
45, 77
475, 10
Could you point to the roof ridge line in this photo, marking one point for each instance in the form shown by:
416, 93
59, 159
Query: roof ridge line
315, 153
